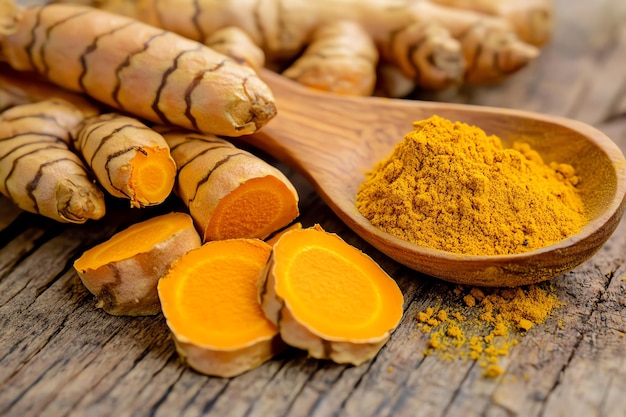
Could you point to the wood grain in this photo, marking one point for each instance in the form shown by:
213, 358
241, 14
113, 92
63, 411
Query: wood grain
61, 356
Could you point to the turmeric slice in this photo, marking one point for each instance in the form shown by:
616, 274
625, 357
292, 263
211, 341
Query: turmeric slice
38, 171
122, 272
209, 299
129, 159
329, 298
230, 193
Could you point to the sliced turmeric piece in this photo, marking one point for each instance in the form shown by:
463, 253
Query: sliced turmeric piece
209, 299
230, 193
38, 170
329, 298
122, 272
129, 159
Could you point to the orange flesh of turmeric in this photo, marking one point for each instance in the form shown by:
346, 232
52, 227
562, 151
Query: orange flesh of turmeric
152, 175
209, 297
332, 288
138, 238
255, 209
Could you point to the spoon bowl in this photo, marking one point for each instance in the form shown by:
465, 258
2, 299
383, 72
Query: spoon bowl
334, 140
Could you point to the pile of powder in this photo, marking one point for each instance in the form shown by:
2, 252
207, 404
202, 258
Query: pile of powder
449, 186
486, 323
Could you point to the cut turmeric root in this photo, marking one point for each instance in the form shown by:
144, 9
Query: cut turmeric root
129, 159
38, 171
122, 272
328, 297
130, 66
230, 193
209, 299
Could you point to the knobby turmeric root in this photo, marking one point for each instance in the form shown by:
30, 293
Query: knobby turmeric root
328, 297
341, 58
139, 69
230, 193
235, 43
122, 272
532, 20
38, 171
129, 159
436, 46
209, 299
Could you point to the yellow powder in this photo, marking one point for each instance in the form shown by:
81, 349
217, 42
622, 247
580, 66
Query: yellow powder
451, 187
494, 320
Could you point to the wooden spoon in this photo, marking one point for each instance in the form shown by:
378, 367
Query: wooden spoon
333, 140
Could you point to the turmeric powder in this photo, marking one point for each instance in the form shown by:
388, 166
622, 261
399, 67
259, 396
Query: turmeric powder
486, 322
450, 186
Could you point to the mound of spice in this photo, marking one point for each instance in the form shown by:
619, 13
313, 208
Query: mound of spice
486, 322
449, 186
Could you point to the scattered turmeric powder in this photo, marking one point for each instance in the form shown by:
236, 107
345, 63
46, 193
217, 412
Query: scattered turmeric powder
486, 322
451, 187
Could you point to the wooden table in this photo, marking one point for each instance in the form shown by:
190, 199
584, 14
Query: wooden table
62, 356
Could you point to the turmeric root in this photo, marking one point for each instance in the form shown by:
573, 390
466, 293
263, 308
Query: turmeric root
122, 272
23, 88
329, 298
531, 19
230, 193
129, 159
38, 171
151, 73
209, 299
438, 54
341, 58
235, 43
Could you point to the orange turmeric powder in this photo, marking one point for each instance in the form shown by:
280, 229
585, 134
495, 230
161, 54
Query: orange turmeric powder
450, 186
486, 323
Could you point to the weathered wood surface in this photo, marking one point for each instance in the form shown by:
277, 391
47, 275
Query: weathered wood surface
61, 356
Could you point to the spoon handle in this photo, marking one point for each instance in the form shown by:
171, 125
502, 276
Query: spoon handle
324, 135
